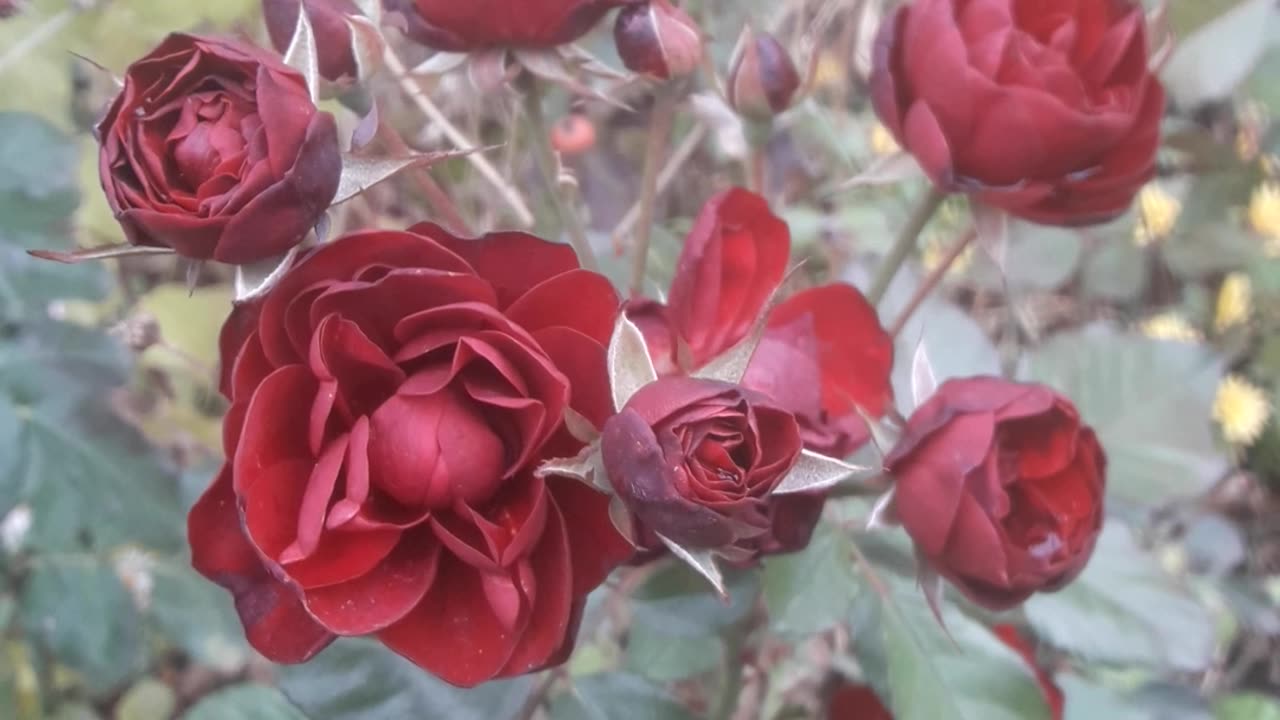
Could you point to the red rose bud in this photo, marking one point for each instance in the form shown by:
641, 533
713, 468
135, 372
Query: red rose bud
1000, 485
460, 26
697, 460
214, 149
331, 22
658, 39
9, 8
390, 399
1047, 111
763, 79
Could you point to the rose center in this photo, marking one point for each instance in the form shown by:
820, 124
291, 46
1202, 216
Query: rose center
207, 142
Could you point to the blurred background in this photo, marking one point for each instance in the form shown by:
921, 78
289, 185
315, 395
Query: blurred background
1163, 326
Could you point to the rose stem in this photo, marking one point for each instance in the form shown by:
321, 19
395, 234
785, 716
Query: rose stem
758, 134
419, 98
548, 165
905, 243
660, 121
731, 688
931, 282
437, 198
681, 156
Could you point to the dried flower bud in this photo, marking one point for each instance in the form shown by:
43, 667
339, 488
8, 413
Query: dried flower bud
658, 39
763, 79
348, 44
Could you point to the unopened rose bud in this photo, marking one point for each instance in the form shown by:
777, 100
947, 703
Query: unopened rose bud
658, 39
763, 79
9, 8
347, 43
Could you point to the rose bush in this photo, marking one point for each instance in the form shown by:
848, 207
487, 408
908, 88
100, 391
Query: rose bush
1000, 485
1046, 110
696, 461
215, 150
477, 24
390, 398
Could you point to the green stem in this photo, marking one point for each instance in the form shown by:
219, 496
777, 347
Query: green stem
731, 687
547, 165
664, 109
932, 281
905, 243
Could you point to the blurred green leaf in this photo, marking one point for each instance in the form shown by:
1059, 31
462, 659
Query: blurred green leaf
250, 702
196, 615
663, 657
1209, 64
1088, 701
1115, 270
1039, 257
148, 699
76, 607
1149, 402
680, 601
1247, 707
1125, 609
928, 677
616, 696
361, 680
812, 590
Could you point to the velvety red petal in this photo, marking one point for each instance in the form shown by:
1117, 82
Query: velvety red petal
551, 561
596, 544
513, 262
384, 595
579, 300
584, 362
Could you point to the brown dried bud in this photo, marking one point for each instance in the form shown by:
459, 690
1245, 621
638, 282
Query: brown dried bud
658, 39
763, 79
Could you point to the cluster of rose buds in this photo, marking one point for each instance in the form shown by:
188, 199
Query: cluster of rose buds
447, 443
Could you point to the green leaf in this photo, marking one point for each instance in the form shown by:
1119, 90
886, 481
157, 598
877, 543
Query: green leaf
812, 590
1085, 700
197, 616
1149, 402
1212, 62
928, 677
1115, 270
248, 702
1038, 257
616, 696
1124, 609
663, 657
76, 607
361, 680
678, 601
1247, 706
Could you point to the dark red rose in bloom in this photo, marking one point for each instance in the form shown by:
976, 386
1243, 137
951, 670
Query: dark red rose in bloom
214, 149
390, 400
1053, 695
849, 701
1000, 485
476, 24
658, 39
824, 353
697, 460
330, 21
1045, 109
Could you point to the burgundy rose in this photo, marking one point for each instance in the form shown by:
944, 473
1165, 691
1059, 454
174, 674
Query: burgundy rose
824, 354
850, 701
696, 461
330, 22
1047, 110
477, 24
391, 398
658, 39
214, 149
1001, 487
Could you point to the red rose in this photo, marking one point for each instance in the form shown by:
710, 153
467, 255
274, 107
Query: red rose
824, 354
214, 149
1047, 110
390, 400
1001, 486
331, 24
477, 24
848, 701
697, 460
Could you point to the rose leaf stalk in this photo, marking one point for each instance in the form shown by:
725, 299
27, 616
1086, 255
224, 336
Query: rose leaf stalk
540, 132
932, 281
905, 243
664, 109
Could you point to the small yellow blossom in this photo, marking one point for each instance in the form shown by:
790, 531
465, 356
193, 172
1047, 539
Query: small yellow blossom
830, 72
1241, 409
1264, 215
882, 141
935, 251
1235, 302
1170, 326
1270, 164
1158, 213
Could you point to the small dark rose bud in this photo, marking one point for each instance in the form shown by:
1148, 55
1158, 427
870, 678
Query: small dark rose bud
347, 43
658, 39
9, 8
763, 79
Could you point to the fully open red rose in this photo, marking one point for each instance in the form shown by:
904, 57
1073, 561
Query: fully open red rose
459, 26
331, 24
1045, 109
697, 460
1001, 486
390, 400
214, 149
824, 354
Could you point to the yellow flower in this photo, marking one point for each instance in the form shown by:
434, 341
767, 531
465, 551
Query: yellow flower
1157, 215
1235, 302
830, 72
1264, 215
1241, 409
882, 141
1169, 326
